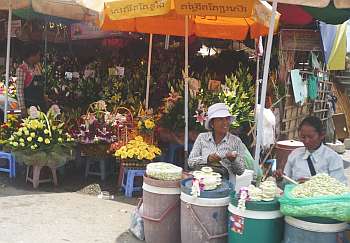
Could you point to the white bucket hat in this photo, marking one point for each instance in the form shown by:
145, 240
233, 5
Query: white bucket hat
216, 111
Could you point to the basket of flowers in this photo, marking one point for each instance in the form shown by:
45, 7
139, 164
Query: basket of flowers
41, 139
137, 153
96, 130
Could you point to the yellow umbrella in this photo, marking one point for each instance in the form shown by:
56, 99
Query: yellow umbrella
117, 16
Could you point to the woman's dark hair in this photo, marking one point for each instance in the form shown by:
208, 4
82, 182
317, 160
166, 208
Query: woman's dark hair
314, 122
29, 50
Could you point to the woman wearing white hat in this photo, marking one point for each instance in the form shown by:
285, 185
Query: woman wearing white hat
219, 147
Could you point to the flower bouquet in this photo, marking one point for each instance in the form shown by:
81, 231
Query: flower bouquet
146, 125
137, 153
8, 128
97, 129
41, 139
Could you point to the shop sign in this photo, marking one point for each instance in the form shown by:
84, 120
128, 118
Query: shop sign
118, 10
83, 31
16, 26
228, 8
300, 40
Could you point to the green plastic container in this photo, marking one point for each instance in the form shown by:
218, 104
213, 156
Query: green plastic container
260, 222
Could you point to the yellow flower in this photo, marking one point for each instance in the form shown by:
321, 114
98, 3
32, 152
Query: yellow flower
46, 131
47, 141
22, 144
15, 144
149, 124
139, 138
32, 147
54, 128
19, 133
26, 132
21, 140
11, 138
40, 139
32, 134
29, 139
139, 125
60, 140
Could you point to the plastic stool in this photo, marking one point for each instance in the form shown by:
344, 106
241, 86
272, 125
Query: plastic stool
102, 166
130, 176
12, 163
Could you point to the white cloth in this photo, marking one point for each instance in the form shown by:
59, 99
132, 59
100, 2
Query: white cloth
269, 124
325, 160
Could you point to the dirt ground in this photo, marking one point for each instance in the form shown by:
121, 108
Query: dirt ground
64, 213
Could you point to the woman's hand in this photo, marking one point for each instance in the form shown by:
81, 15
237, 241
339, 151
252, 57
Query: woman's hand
302, 180
231, 155
278, 173
214, 159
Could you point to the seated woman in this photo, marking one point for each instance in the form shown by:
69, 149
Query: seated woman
218, 147
315, 157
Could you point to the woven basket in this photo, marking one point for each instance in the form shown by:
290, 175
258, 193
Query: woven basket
135, 163
94, 150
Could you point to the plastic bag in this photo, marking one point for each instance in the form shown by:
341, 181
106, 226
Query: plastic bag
333, 207
136, 226
251, 164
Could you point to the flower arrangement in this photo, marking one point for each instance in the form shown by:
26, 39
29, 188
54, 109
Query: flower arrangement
146, 123
8, 128
138, 149
41, 139
97, 126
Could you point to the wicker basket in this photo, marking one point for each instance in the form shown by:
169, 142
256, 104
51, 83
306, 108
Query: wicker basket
139, 164
94, 150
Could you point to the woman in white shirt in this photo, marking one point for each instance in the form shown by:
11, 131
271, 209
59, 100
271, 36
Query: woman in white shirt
219, 147
315, 157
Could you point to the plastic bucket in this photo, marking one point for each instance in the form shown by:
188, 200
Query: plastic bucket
283, 149
203, 220
260, 222
161, 211
315, 230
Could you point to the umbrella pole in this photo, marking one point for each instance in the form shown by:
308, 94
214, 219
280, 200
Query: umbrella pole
45, 55
257, 85
8, 60
149, 68
186, 94
264, 83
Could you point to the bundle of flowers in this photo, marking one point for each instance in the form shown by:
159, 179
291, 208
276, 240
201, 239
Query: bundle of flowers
8, 128
41, 139
97, 126
138, 149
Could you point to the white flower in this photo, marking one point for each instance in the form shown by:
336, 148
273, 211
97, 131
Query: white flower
55, 110
33, 112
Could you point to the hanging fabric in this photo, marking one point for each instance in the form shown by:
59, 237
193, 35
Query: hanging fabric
312, 87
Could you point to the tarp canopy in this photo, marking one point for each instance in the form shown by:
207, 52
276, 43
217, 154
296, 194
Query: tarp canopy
318, 3
67, 9
328, 11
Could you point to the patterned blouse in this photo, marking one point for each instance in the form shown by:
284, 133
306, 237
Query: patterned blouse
205, 145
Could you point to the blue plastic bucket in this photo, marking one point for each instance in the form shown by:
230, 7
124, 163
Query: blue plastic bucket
315, 230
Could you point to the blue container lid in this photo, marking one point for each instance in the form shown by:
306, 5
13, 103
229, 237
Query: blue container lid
221, 191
